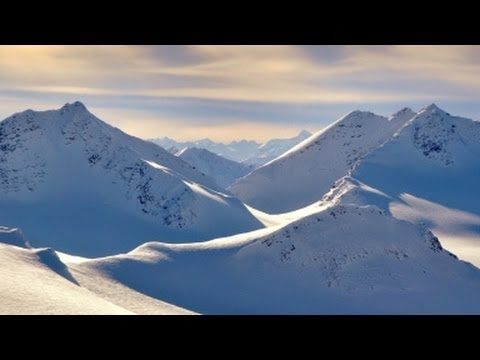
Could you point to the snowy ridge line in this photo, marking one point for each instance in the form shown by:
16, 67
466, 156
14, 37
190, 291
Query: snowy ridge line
329, 260
68, 165
304, 174
222, 170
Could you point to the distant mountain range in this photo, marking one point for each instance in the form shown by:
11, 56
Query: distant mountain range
243, 151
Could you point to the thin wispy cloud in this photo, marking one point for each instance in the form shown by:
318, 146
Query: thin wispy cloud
212, 88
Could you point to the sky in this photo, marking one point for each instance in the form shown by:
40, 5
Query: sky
237, 92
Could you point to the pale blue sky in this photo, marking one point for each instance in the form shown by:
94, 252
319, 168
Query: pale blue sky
230, 92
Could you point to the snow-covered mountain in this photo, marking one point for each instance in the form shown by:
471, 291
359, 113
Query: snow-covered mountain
422, 167
375, 200
82, 186
304, 174
220, 169
431, 172
243, 151
335, 258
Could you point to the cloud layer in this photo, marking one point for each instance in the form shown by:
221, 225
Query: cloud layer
227, 92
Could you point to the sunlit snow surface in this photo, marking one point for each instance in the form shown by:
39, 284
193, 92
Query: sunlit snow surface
356, 211
77, 184
36, 281
342, 259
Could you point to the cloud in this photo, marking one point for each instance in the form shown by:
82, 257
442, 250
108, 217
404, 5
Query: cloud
253, 84
250, 73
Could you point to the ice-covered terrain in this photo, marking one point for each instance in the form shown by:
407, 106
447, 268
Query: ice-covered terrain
353, 220
431, 170
81, 186
325, 259
426, 165
220, 169
36, 281
242, 151
334, 258
304, 174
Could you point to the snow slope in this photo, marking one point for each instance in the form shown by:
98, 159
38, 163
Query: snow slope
423, 168
304, 174
332, 261
243, 151
431, 172
220, 169
84, 187
29, 286
36, 281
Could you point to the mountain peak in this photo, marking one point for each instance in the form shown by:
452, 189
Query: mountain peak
304, 134
76, 106
405, 110
430, 111
360, 114
402, 116
69, 156
432, 108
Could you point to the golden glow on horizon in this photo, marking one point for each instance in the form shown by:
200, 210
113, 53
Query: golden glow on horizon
184, 130
263, 74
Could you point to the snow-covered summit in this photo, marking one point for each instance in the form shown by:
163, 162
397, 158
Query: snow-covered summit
402, 116
95, 184
429, 171
76, 106
440, 136
304, 174
404, 111
432, 108
39, 136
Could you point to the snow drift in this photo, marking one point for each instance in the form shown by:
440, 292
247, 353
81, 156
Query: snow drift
343, 258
